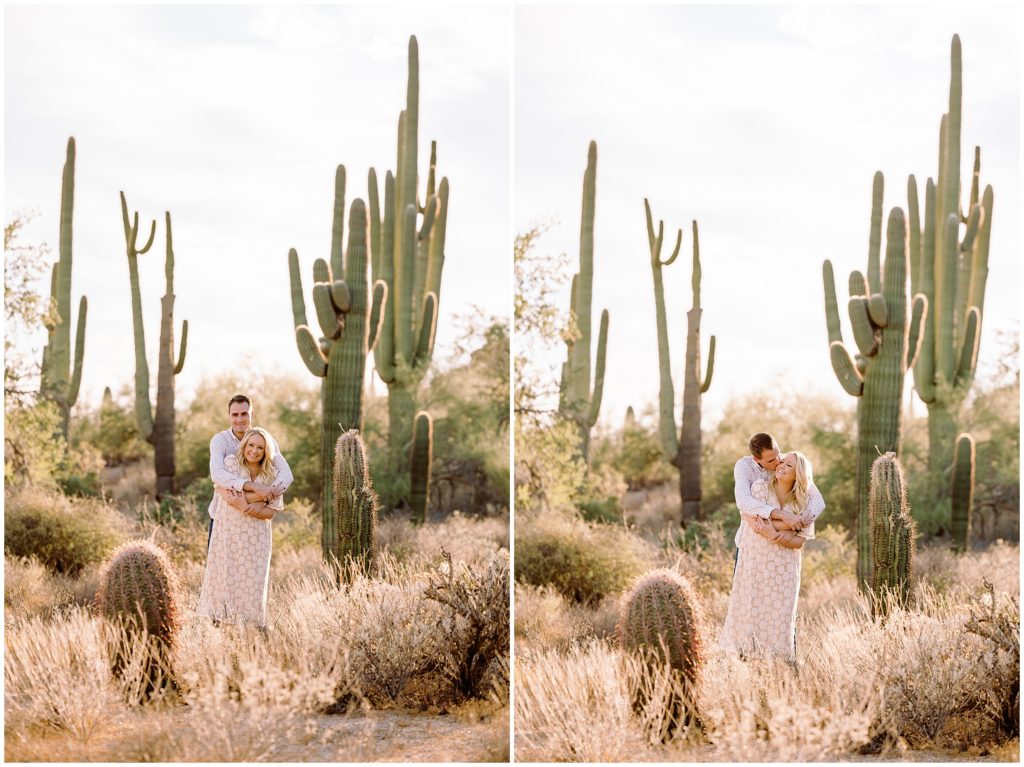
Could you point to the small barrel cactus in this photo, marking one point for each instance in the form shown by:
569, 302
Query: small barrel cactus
962, 491
661, 619
422, 454
355, 502
138, 589
893, 533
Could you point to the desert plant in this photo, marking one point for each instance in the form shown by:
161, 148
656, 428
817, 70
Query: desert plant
355, 502
1000, 625
962, 492
951, 271
419, 474
59, 382
878, 316
409, 260
662, 622
683, 452
893, 533
576, 402
138, 591
159, 432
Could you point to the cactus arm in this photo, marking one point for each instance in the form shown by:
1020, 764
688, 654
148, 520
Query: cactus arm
863, 333
875, 237
428, 326
406, 248
310, 351
711, 368
831, 304
979, 256
432, 170
341, 296
602, 345
849, 377
878, 310
435, 261
181, 353
338, 222
384, 351
914, 213
918, 317
924, 367
76, 371
375, 223
295, 278
325, 312
410, 144
420, 262
950, 179
421, 459
945, 276
152, 234
380, 299
969, 351
962, 491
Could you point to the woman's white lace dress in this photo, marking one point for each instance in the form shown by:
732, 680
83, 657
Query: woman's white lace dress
762, 605
238, 563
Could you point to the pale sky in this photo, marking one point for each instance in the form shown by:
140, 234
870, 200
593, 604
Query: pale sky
234, 119
766, 124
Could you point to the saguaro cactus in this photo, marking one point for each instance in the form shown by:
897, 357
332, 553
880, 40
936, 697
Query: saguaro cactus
350, 322
159, 433
422, 455
893, 533
662, 619
576, 400
886, 347
355, 502
949, 265
138, 589
962, 491
683, 453
59, 381
408, 256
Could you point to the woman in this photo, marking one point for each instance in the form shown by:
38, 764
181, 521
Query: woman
762, 605
238, 564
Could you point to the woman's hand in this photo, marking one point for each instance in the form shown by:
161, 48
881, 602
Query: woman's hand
259, 511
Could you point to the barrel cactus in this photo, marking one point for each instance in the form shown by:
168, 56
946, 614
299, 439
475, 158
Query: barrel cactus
893, 533
422, 455
661, 620
138, 589
963, 491
355, 502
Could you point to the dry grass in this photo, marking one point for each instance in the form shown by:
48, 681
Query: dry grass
314, 686
920, 682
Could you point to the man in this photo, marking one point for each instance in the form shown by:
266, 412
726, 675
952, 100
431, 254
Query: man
223, 444
764, 459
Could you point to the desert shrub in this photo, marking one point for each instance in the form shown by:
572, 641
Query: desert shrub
830, 556
584, 561
548, 472
635, 452
296, 526
476, 630
33, 445
112, 430
31, 590
998, 621
65, 534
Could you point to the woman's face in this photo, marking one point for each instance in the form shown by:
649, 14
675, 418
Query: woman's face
787, 468
255, 448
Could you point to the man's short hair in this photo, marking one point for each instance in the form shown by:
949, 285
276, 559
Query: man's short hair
239, 398
760, 442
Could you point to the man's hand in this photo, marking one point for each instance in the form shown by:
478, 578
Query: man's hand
791, 520
253, 509
807, 519
266, 492
233, 498
760, 525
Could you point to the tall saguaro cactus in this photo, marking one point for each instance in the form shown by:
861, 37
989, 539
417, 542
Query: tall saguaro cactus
350, 321
893, 534
408, 256
355, 502
158, 432
949, 265
577, 401
59, 381
683, 452
886, 346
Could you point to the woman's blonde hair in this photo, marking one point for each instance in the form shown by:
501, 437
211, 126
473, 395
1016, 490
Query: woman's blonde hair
804, 477
267, 473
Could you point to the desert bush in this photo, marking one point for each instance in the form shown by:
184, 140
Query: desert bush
65, 534
830, 556
548, 472
586, 562
475, 633
33, 445
296, 526
998, 621
635, 452
31, 590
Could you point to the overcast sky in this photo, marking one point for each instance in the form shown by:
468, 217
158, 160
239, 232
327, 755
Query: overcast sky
766, 124
234, 118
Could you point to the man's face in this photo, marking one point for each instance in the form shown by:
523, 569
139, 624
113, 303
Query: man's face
769, 459
240, 418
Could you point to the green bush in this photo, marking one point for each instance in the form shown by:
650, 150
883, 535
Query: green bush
65, 534
585, 562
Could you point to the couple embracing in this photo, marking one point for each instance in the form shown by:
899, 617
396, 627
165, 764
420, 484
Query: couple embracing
250, 477
778, 505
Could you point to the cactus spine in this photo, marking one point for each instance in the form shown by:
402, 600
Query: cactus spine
576, 400
408, 256
963, 491
355, 502
661, 619
159, 433
893, 533
886, 346
59, 380
349, 320
951, 270
422, 455
138, 589
684, 453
